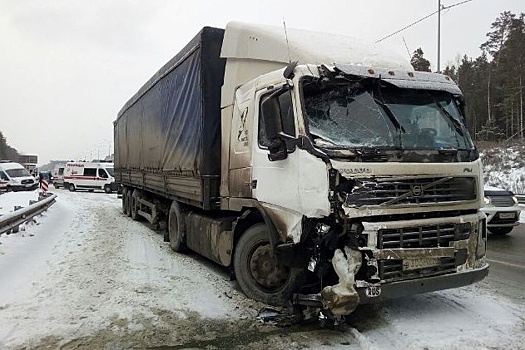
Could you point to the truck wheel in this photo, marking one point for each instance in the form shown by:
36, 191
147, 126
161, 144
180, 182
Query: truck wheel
72, 188
260, 276
176, 228
135, 205
500, 231
128, 201
107, 189
125, 201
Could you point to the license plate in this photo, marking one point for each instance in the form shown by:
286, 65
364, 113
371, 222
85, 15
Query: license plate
373, 291
507, 215
414, 264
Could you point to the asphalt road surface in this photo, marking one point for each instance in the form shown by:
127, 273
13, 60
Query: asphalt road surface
506, 255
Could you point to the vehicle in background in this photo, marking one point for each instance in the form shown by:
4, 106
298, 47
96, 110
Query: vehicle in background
29, 161
502, 210
89, 176
319, 171
17, 177
58, 175
46, 175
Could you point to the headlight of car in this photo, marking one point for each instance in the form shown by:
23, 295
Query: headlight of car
515, 199
487, 200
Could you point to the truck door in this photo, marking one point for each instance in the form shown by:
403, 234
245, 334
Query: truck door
294, 180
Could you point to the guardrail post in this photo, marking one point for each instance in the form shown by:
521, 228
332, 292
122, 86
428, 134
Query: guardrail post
16, 229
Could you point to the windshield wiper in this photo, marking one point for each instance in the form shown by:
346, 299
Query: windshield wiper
448, 151
390, 115
449, 117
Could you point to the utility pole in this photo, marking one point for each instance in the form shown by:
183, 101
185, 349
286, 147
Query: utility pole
521, 110
439, 37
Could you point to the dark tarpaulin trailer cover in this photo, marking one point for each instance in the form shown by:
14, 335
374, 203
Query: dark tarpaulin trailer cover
171, 126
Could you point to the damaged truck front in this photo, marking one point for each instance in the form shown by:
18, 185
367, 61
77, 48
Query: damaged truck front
389, 183
324, 173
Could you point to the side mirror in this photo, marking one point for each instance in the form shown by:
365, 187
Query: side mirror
277, 149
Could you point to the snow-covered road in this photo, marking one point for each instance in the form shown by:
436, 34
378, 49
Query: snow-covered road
84, 276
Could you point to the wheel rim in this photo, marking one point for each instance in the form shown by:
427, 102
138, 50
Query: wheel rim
265, 270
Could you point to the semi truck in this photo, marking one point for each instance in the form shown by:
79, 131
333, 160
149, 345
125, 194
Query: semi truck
321, 171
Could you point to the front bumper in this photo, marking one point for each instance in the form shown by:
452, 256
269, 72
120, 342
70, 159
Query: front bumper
406, 257
406, 288
25, 187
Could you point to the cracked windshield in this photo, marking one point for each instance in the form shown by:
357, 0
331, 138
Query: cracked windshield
352, 115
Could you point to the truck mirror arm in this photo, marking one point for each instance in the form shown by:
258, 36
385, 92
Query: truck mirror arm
279, 150
304, 142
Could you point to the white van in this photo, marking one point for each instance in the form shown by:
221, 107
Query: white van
16, 177
58, 175
89, 176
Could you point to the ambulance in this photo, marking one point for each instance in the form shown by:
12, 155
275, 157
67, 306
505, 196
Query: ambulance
58, 175
89, 176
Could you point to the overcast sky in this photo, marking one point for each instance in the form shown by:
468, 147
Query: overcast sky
67, 67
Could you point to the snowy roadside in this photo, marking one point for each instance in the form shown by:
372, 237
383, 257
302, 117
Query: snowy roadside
84, 276
8, 200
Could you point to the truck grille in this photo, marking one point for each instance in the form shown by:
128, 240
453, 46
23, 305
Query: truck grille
422, 237
28, 181
433, 236
392, 270
412, 191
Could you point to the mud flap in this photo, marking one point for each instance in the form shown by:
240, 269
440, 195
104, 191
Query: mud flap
342, 298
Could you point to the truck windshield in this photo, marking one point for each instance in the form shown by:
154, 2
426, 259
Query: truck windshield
364, 115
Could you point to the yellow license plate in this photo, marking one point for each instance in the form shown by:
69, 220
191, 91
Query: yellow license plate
414, 264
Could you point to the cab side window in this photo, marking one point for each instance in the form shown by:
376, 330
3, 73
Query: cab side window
3, 176
102, 173
276, 116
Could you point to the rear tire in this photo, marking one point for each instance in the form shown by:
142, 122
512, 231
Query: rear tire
176, 228
135, 205
260, 276
128, 200
500, 231
125, 201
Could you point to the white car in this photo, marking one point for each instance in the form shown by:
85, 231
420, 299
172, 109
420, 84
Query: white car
502, 210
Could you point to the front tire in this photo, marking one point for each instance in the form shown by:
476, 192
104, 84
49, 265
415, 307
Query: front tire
72, 188
260, 276
107, 189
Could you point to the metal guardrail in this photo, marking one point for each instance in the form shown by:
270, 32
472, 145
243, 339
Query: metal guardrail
11, 221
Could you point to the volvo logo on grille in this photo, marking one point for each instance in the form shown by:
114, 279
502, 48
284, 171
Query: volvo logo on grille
417, 190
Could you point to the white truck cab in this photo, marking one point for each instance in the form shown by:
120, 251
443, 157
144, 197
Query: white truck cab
89, 176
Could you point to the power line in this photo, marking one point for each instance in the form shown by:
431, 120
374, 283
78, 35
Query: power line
422, 19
